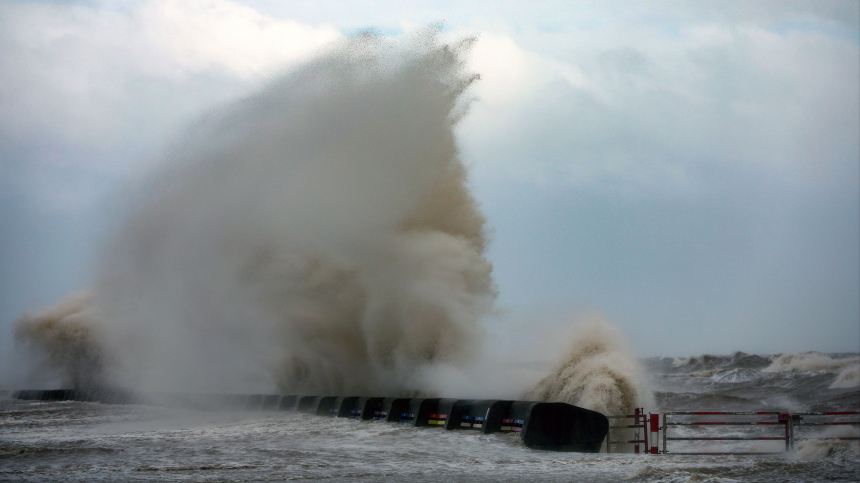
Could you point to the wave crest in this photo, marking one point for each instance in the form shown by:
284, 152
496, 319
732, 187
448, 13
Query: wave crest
809, 362
599, 373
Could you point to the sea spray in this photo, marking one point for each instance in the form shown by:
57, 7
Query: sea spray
826, 443
65, 335
849, 377
598, 371
318, 236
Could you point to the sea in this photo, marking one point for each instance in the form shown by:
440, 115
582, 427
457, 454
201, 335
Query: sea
94, 442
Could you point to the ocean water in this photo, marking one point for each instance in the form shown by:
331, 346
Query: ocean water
80, 441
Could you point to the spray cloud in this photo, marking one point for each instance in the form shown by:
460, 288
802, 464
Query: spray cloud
318, 237
319, 234
65, 335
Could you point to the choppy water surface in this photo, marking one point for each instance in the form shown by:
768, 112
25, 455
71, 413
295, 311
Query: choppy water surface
76, 441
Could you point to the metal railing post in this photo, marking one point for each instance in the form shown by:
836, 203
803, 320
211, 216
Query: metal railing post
665, 430
795, 418
636, 433
655, 431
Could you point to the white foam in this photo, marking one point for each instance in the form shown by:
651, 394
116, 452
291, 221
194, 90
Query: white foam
809, 362
849, 377
816, 449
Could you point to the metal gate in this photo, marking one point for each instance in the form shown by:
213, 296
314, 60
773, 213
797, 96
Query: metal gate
776, 426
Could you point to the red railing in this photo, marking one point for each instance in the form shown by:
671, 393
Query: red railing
781, 419
648, 426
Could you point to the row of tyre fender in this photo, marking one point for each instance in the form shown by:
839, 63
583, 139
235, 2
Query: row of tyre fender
541, 425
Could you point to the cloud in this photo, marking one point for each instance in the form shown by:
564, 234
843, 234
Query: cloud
645, 103
652, 112
556, 16
217, 33
88, 93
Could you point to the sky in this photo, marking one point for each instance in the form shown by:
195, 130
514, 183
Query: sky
689, 170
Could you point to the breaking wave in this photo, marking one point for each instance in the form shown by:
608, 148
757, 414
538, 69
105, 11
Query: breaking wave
741, 381
599, 372
821, 444
810, 361
849, 377
847, 367
708, 365
66, 335
708, 362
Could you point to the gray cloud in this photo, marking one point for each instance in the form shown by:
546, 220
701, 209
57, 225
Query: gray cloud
747, 102
96, 92
557, 15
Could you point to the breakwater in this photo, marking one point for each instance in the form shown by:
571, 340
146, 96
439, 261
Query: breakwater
550, 426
